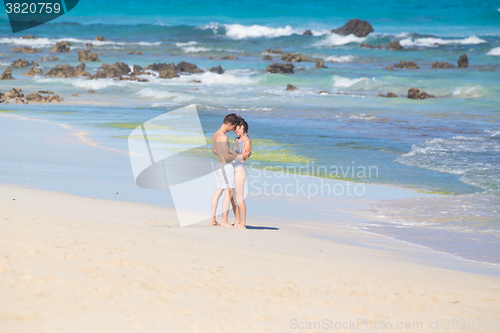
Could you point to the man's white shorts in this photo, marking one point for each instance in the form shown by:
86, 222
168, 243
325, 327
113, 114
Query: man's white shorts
224, 175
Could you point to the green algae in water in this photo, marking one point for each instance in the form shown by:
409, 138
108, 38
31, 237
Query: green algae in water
127, 125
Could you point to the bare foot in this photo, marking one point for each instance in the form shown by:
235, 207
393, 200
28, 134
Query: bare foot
214, 222
226, 224
239, 226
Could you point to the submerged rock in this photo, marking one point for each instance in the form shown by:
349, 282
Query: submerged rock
134, 52
61, 47
280, 68
86, 55
290, 87
28, 37
23, 63
229, 57
45, 92
395, 45
217, 70
7, 74
320, 64
267, 57
100, 38
292, 57
443, 65
356, 27
25, 49
389, 94
463, 61
278, 51
51, 58
33, 71
369, 46
389, 68
415, 93
308, 33
406, 64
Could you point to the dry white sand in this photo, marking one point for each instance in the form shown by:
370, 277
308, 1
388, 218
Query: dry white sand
74, 264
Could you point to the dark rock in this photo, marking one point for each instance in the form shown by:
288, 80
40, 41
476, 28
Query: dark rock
66, 71
389, 68
61, 47
7, 74
109, 71
51, 58
389, 94
45, 92
28, 37
406, 64
325, 92
356, 27
415, 93
137, 52
137, 70
33, 71
278, 51
21, 101
161, 67
14, 93
320, 64
25, 49
91, 91
100, 38
463, 61
292, 57
290, 87
369, 46
229, 57
99, 53
168, 74
131, 78
308, 33
267, 57
89, 45
23, 63
74, 95
217, 70
187, 67
395, 45
443, 65
195, 81
280, 68
34, 97
86, 55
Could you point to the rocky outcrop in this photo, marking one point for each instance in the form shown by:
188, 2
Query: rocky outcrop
23, 63
324, 92
161, 67
89, 45
308, 33
267, 57
229, 57
168, 74
389, 68
14, 93
37, 98
369, 46
320, 64
280, 68
109, 71
51, 58
7, 74
415, 93
86, 55
406, 64
389, 94
217, 70
444, 65
187, 68
45, 92
292, 57
395, 45
66, 71
137, 70
131, 78
91, 91
134, 52
463, 61
290, 87
356, 27
61, 47
100, 38
28, 37
25, 49
278, 51
33, 71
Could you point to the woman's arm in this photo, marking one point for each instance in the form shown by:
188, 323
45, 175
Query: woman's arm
247, 146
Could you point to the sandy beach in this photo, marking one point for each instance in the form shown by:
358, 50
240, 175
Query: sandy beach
75, 264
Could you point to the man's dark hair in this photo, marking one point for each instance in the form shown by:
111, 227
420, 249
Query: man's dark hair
232, 119
244, 124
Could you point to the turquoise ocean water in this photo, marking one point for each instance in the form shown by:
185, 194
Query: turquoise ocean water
449, 144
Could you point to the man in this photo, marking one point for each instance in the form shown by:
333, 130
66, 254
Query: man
224, 172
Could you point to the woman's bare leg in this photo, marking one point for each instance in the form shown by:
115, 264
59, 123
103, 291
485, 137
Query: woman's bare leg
215, 202
225, 208
240, 175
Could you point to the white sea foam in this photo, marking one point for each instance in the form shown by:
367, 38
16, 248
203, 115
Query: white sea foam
193, 49
337, 40
228, 78
494, 52
430, 41
49, 42
83, 82
186, 44
344, 58
238, 31
469, 92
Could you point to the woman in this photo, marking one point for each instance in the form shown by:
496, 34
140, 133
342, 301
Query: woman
241, 145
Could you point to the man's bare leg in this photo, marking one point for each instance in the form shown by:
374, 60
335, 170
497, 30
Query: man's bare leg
225, 209
236, 208
215, 202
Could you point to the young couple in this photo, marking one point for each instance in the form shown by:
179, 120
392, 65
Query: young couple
230, 171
